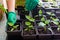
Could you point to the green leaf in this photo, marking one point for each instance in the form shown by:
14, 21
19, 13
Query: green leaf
26, 29
36, 16
56, 22
10, 24
27, 23
49, 13
56, 19
27, 16
15, 26
42, 19
31, 27
12, 29
58, 26
30, 18
40, 12
58, 29
41, 24
52, 14
47, 21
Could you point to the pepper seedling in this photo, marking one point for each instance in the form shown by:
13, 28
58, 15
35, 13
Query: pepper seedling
40, 12
55, 20
14, 27
29, 18
41, 24
29, 26
50, 13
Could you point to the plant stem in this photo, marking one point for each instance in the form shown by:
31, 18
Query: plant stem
30, 13
12, 29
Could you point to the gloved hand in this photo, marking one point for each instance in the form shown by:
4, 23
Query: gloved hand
12, 18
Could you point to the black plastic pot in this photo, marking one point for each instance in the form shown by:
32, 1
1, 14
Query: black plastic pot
15, 32
28, 35
43, 35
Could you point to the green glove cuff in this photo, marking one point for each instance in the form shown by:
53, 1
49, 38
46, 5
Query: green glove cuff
12, 18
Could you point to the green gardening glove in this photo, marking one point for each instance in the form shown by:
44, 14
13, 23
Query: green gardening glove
11, 18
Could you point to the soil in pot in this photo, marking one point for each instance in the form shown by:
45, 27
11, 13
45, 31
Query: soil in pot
31, 32
43, 31
10, 28
53, 26
28, 32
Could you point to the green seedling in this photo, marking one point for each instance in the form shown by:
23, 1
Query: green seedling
40, 12
58, 27
57, 23
41, 24
27, 23
10, 24
47, 21
29, 18
29, 26
55, 19
42, 19
14, 27
51, 14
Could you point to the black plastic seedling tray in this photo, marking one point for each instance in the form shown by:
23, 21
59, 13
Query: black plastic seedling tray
37, 35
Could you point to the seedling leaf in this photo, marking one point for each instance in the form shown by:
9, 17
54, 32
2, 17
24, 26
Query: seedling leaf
27, 23
47, 21
41, 24
42, 19
40, 12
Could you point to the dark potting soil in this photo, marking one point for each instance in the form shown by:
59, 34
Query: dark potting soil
42, 31
31, 32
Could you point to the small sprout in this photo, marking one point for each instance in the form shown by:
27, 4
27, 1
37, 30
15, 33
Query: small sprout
31, 27
47, 21
40, 12
26, 29
58, 26
58, 29
36, 16
27, 23
42, 19
10, 24
49, 13
51, 30
44, 15
57, 23
56, 19
42, 24
30, 18
52, 14
14, 27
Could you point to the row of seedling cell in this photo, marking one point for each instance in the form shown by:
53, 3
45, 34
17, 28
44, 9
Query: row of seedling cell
45, 25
